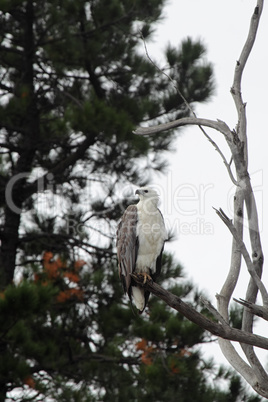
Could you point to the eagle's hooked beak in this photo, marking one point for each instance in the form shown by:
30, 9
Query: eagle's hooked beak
140, 192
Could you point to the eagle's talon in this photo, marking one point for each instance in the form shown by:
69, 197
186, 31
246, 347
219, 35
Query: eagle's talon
146, 277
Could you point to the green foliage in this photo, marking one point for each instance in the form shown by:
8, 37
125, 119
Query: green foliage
236, 315
91, 337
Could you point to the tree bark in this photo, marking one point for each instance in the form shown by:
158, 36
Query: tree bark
10, 234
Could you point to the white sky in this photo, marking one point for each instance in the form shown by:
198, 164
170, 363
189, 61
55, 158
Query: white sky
197, 172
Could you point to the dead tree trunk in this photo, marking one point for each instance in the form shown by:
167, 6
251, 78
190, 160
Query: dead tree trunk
247, 364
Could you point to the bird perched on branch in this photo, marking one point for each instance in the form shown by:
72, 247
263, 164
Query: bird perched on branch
141, 236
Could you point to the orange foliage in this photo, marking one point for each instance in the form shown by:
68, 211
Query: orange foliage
79, 264
177, 356
56, 269
72, 277
141, 345
29, 381
52, 268
47, 256
174, 368
146, 359
65, 295
148, 353
146, 356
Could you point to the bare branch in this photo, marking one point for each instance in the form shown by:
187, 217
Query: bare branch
260, 311
168, 77
218, 329
213, 310
224, 331
216, 124
191, 111
241, 63
227, 165
246, 256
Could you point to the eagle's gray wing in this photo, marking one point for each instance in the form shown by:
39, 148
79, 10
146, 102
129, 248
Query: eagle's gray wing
158, 264
127, 246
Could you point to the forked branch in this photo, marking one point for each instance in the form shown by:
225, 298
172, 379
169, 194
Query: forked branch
219, 329
258, 382
255, 309
251, 370
242, 248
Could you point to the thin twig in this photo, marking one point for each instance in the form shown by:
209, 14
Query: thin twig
213, 310
260, 311
241, 245
168, 77
191, 111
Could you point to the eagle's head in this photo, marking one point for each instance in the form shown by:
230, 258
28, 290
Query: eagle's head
147, 194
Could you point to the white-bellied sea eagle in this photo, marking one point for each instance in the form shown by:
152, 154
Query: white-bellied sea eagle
141, 236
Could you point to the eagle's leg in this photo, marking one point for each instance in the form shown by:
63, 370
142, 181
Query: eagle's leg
146, 277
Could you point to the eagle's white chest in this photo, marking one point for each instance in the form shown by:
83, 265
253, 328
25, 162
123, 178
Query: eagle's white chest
151, 233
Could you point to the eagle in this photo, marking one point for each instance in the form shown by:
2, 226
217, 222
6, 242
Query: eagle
141, 235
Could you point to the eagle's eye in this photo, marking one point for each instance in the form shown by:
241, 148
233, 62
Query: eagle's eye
146, 191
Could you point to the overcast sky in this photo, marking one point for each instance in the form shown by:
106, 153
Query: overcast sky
203, 243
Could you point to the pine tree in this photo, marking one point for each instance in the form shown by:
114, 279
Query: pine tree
73, 86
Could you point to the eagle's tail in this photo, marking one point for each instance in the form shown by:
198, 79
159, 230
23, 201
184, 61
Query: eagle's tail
138, 297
